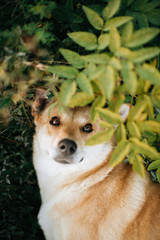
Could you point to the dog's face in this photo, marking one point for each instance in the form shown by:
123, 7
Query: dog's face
62, 136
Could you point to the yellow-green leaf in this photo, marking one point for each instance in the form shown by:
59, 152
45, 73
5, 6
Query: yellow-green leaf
98, 102
142, 36
84, 39
154, 165
144, 149
63, 71
107, 79
68, 89
109, 116
137, 164
124, 53
73, 58
121, 133
133, 129
148, 72
80, 99
84, 83
120, 153
129, 77
115, 40
104, 124
116, 22
150, 109
95, 20
115, 63
156, 96
150, 126
100, 137
103, 41
127, 32
96, 58
111, 9
144, 54
137, 110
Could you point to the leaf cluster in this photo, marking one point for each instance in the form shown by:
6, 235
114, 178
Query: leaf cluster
117, 67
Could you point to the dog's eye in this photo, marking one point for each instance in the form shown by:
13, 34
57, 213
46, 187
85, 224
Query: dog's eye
87, 128
55, 121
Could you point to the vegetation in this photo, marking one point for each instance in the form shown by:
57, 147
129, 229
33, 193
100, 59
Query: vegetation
85, 52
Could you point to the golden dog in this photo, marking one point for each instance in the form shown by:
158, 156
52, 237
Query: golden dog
82, 197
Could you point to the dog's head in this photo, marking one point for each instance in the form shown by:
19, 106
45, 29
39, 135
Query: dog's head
62, 136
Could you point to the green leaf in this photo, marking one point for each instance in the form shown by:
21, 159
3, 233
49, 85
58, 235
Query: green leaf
148, 72
80, 99
84, 39
156, 96
120, 153
69, 5
127, 32
137, 162
73, 58
103, 41
142, 20
142, 36
84, 83
124, 53
144, 149
116, 22
133, 129
144, 54
115, 63
150, 109
149, 7
121, 133
100, 137
107, 79
63, 71
115, 40
129, 77
150, 126
96, 58
137, 110
104, 124
111, 9
95, 20
98, 102
154, 165
109, 116
68, 89
63, 14
153, 17
97, 71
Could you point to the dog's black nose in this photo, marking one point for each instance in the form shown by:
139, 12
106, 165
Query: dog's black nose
67, 147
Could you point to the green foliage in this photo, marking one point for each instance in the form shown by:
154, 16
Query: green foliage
103, 53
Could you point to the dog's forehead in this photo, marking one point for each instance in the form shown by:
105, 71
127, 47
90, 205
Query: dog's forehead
79, 115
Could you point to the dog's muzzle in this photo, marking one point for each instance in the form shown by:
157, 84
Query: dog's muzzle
66, 149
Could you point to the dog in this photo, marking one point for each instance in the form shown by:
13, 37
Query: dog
82, 197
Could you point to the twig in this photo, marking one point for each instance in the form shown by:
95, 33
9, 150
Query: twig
26, 114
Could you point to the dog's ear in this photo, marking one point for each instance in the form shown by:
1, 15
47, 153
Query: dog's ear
124, 111
40, 102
